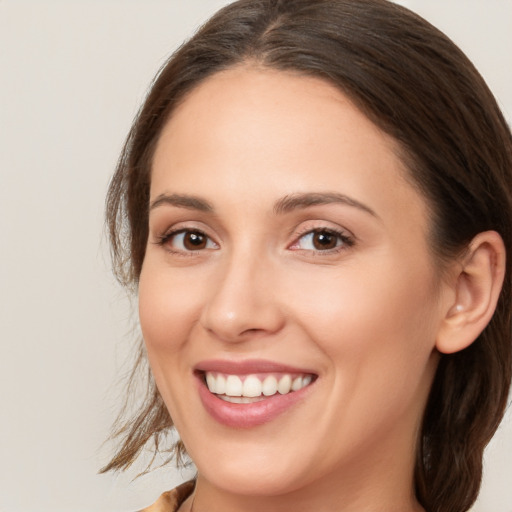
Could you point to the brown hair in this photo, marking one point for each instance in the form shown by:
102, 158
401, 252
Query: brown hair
417, 86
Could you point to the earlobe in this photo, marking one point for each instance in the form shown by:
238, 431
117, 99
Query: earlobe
477, 286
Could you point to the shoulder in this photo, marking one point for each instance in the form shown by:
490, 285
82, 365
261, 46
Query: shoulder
170, 501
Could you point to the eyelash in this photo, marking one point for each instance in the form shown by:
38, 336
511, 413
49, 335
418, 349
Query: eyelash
163, 240
344, 241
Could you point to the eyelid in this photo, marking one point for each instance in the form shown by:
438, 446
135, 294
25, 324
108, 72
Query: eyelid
164, 237
346, 237
167, 226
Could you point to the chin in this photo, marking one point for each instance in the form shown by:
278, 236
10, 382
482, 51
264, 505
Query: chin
254, 479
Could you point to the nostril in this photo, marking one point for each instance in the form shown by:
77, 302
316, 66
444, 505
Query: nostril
252, 331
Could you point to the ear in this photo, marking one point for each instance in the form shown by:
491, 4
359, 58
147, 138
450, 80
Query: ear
477, 285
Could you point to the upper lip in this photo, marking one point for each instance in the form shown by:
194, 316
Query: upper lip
247, 367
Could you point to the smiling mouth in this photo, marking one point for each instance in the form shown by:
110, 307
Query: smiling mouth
246, 389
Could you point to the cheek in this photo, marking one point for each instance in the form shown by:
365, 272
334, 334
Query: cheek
168, 307
377, 330
380, 318
168, 311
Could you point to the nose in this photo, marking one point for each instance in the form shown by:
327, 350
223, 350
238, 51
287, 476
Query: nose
243, 301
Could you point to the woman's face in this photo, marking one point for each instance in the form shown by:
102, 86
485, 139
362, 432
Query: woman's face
287, 250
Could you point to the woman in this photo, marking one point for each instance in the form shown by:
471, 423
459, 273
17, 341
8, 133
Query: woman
314, 205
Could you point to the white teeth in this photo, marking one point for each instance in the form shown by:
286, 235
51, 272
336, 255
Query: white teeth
269, 387
252, 387
284, 385
211, 382
241, 399
233, 386
297, 384
220, 386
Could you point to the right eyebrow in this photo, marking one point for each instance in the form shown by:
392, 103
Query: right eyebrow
296, 201
181, 201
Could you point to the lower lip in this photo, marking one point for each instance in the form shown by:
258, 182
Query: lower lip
248, 415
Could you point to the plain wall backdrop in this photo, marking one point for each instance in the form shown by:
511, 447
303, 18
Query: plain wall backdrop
73, 74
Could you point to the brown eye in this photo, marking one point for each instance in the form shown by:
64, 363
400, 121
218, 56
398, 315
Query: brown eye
324, 240
187, 240
194, 240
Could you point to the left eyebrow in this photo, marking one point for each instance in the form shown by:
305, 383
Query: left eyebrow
297, 201
182, 201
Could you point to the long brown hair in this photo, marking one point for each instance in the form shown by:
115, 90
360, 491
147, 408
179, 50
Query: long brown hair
417, 86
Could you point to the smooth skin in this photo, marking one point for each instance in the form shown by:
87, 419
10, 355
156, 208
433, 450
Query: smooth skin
348, 288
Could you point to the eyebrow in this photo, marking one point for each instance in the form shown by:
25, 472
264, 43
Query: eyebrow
284, 205
182, 201
296, 201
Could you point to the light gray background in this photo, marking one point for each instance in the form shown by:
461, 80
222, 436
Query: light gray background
72, 76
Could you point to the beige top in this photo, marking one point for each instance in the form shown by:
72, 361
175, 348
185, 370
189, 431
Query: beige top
171, 501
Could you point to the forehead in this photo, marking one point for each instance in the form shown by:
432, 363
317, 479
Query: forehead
246, 102
253, 134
